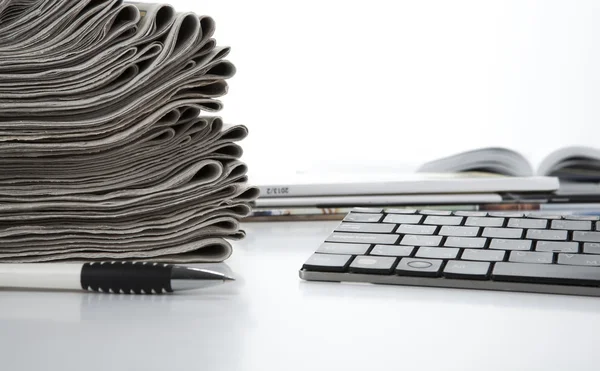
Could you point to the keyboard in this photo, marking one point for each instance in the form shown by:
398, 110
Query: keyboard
507, 251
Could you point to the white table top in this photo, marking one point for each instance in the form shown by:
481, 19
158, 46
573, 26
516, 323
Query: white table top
271, 320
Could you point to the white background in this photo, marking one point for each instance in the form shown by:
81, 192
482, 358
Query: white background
340, 84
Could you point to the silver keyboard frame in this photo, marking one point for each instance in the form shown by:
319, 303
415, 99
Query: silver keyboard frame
450, 283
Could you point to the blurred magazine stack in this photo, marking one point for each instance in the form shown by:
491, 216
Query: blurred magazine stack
486, 179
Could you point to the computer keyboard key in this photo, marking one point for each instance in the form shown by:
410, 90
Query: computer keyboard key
591, 248
526, 223
579, 259
375, 238
546, 273
467, 269
443, 220
546, 234
470, 213
435, 212
531, 257
392, 250
327, 263
502, 244
373, 264
572, 225
483, 255
402, 219
344, 248
506, 214
365, 227
419, 267
400, 211
364, 218
417, 240
469, 242
542, 216
484, 221
555, 246
437, 252
502, 232
370, 210
448, 230
416, 229
586, 236
581, 217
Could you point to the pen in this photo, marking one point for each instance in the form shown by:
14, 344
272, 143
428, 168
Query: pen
111, 277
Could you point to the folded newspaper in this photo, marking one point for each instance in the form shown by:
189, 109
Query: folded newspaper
105, 148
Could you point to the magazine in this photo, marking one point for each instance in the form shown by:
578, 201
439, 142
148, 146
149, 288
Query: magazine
575, 163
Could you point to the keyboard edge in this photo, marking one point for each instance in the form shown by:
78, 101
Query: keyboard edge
441, 282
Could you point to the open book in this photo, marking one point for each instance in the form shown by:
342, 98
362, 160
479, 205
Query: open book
569, 163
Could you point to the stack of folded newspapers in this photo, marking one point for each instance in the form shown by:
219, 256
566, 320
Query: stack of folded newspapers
106, 151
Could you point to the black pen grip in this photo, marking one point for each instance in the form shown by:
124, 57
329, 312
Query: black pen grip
126, 277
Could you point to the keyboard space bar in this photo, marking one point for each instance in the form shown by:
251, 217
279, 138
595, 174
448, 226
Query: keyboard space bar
546, 273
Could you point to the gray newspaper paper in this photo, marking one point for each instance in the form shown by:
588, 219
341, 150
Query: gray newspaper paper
108, 149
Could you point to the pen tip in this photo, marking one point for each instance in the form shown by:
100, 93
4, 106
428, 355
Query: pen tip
227, 278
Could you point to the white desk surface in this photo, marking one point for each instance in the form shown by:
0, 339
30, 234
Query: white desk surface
271, 320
